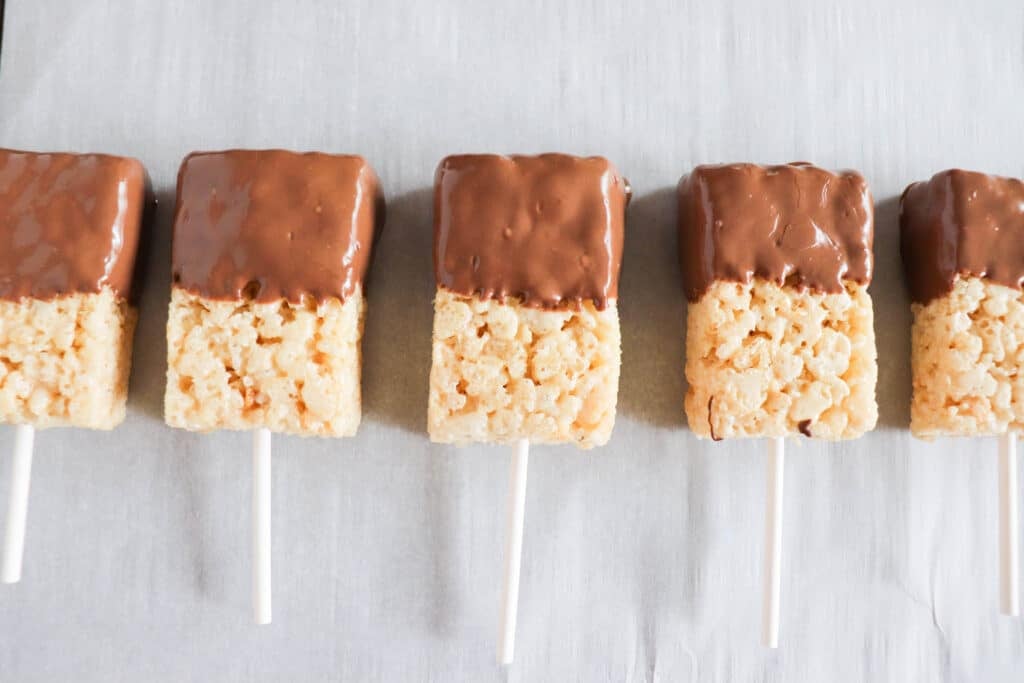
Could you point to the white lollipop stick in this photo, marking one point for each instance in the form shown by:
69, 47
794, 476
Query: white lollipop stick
1009, 553
773, 544
513, 552
17, 504
261, 526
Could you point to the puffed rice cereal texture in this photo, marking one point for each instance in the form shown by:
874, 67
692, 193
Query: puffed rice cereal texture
966, 360
240, 365
763, 360
503, 371
66, 361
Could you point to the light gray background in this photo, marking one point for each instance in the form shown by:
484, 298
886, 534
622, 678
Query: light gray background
642, 559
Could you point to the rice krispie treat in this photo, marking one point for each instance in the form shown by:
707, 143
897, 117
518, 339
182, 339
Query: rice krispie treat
776, 262
527, 252
270, 252
69, 231
962, 242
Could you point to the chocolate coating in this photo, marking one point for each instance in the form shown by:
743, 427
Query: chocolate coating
271, 225
69, 223
793, 224
961, 223
547, 229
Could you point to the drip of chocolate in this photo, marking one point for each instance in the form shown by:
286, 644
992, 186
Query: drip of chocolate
272, 225
69, 223
545, 229
793, 224
961, 223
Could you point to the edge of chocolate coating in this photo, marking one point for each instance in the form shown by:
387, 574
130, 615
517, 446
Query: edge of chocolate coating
793, 224
546, 229
267, 225
71, 223
961, 223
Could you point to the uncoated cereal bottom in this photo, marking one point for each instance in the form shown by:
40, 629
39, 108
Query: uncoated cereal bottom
764, 360
503, 372
242, 365
967, 355
66, 361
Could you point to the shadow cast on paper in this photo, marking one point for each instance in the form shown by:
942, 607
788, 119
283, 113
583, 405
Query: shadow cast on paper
149, 353
892, 319
652, 309
399, 315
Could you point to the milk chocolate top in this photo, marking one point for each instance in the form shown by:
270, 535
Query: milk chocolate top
69, 223
272, 225
793, 224
961, 223
547, 229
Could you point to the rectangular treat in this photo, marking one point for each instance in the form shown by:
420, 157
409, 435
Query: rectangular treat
962, 243
70, 226
270, 254
780, 339
527, 252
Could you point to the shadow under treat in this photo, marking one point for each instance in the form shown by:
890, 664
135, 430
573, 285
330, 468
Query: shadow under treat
681, 538
446, 519
652, 309
399, 315
892, 319
198, 511
149, 353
